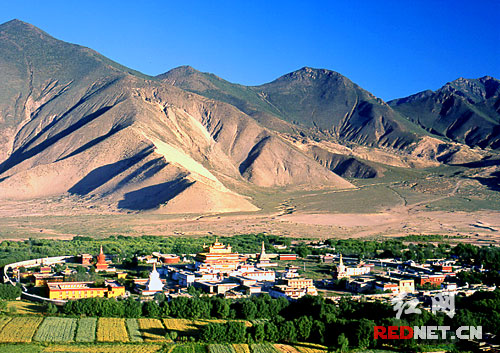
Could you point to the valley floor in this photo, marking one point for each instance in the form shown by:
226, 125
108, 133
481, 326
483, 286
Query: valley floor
444, 200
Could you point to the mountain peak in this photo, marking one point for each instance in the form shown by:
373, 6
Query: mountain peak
16, 26
16, 22
474, 90
311, 73
177, 72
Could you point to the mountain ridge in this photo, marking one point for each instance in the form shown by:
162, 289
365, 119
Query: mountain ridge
81, 126
75, 123
464, 110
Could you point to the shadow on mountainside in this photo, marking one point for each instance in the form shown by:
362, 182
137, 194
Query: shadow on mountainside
153, 196
24, 153
102, 175
493, 183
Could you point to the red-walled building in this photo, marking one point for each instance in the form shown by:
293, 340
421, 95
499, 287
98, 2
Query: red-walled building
432, 279
170, 259
288, 257
442, 268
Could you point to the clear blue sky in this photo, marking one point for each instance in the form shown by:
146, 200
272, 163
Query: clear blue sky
391, 48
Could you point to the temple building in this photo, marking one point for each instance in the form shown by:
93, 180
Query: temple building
263, 259
85, 259
217, 258
343, 271
81, 290
293, 288
101, 264
154, 284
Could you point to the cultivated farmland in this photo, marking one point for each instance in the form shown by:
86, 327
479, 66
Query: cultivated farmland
3, 321
152, 330
86, 329
133, 330
56, 329
284, 348
20, 329
263, 348
220, 348
310, 348
241, 348
189, 348
111, 330
182, 326
114, 348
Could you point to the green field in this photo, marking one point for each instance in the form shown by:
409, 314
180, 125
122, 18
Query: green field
134, 332
86, 329
56, 329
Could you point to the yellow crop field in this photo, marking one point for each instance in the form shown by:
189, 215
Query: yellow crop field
111, 330
284, 348
180, 325
24, 307
20, 329
310, 348
187, 326
152, 330
3, 321
241, 348
99, 348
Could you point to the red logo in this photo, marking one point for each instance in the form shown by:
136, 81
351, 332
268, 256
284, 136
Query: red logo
392, 332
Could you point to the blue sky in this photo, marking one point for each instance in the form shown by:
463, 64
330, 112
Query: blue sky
390, 48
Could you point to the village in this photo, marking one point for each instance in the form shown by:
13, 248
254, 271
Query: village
218, 270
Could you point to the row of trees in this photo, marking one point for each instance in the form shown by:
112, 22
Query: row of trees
198, 307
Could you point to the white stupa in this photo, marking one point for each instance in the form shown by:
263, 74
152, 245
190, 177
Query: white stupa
154, 283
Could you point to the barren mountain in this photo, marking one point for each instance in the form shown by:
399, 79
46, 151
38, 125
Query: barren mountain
308, 98
465, 111
75, 123
321, 107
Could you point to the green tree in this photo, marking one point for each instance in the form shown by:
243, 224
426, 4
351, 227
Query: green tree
236, 331
259, 332
220, 308
288, 332
50, 308
171, 335
214, 332
248, 310
9, 292
151, 309
272, 333
364, 333
342, 343
132, 308
303, 325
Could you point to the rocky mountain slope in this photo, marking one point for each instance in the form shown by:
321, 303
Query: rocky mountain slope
464, 110
322, 105
74, 122
308, 98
